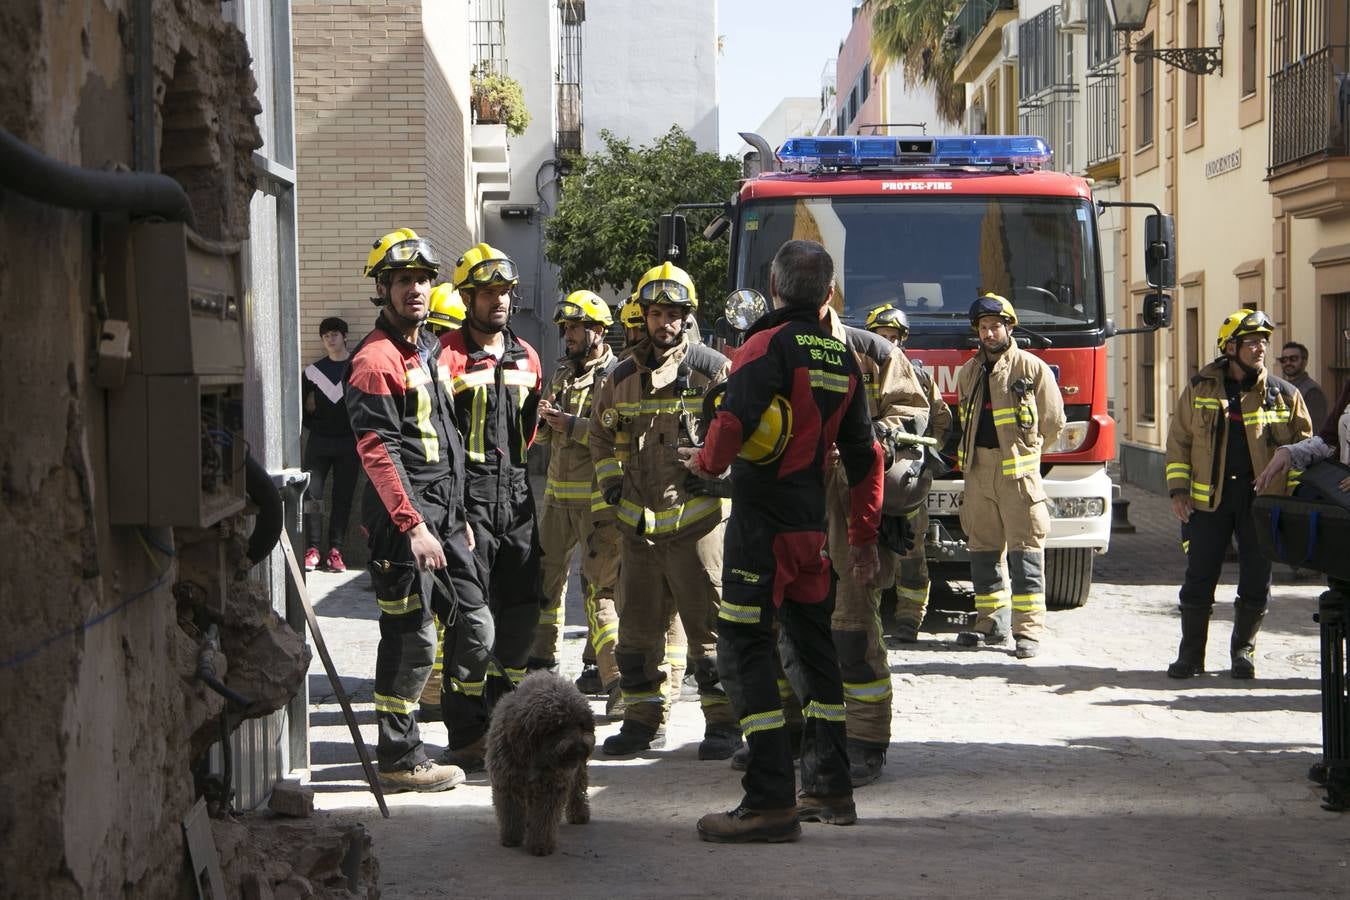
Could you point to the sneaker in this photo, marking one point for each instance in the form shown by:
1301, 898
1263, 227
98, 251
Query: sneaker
588, 682
311, 559
864, 763
424, 777
634, 737
743, 826
837, 810
469, 758
334, 562
1026, 648
720, 741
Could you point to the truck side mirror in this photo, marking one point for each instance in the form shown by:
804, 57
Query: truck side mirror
1160, 252
672, 239
1157, 312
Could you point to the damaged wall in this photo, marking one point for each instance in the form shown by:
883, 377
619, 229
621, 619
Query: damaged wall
95, 671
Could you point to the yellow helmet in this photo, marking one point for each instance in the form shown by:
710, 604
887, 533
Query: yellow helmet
991, 304
1242, 323
887, 316
631, 314
446, 308
669, 284
770, 437
482, 265
401, 249
583, 306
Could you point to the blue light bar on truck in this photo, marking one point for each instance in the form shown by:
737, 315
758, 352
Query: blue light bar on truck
802, 154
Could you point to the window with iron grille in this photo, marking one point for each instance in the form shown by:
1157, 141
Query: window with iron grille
1340, 360
571, 13
1309, 80
1103, 47
1103, 86
1045, 84
487, 29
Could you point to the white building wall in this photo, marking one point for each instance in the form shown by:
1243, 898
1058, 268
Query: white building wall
909, 103
792, 116
637, 93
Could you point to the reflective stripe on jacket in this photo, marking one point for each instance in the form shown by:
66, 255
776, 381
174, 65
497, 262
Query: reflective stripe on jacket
1273, 414
643, 412
1027, 406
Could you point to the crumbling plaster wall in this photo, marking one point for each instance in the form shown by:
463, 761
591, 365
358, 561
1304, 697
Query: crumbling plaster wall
97, 721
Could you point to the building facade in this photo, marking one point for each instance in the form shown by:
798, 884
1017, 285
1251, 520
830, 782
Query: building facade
871, 100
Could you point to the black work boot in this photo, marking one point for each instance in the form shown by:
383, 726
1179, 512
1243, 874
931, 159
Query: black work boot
588, 682
634, 737
864, 763
1242, 647
740, 760
720, 741
537, 664
1191, 654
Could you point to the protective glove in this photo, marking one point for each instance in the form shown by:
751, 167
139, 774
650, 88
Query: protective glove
613, 493
896, 534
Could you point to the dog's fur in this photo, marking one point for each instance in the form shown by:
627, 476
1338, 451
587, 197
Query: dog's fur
538, 742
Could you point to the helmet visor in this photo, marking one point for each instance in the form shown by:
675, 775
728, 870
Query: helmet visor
405, 253
887, 318
665, 291
493, 270
569, 312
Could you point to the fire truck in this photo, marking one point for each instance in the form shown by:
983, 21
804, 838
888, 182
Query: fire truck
928, 224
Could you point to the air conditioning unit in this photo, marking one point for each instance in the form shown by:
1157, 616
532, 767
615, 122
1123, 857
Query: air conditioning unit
1010, 32
1073, 15
975, 120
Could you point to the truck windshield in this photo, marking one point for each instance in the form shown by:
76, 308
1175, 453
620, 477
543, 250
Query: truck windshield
933, 257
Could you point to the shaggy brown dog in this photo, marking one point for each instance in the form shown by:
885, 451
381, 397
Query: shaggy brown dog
538, 742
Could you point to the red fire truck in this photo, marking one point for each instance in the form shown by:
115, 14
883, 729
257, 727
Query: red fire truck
928, 224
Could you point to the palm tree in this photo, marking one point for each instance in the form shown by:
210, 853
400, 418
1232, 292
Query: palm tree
909, 32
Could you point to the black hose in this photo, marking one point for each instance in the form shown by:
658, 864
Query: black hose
28, 172
206, 669
267, 526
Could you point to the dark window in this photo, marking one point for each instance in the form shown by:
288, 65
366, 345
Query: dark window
1248, 44
1340, 361
1144, 99
1193, 340
1147, 389
1193, 39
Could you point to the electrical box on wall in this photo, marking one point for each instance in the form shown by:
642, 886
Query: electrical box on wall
176, 449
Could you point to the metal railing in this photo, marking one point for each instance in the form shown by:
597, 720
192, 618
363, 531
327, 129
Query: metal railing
969, 20
1103, 112
1045, 56
1051, 116
1103, 42
1310, 107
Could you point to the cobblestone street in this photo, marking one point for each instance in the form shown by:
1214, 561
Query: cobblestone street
1082, 772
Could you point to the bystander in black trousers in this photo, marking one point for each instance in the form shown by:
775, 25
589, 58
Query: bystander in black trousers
323, 455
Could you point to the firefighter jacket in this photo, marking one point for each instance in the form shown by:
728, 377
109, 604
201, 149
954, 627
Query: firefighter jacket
398, 396
939, 413
1027, 408
1273, 414
647, 409
571, 473
790, 354
497, 406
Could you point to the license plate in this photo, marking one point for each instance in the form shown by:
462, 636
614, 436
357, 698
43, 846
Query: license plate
944, 503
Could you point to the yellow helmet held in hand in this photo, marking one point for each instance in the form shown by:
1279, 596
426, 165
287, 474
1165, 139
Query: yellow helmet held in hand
583, 306
887, 316
770, 437
668, 284
401, 249
446, 308
991, 304
1242, 323
482, 265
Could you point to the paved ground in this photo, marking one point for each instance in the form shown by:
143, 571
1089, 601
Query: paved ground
1083, 772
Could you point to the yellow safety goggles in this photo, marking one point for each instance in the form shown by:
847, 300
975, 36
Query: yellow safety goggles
493, 270
664, 291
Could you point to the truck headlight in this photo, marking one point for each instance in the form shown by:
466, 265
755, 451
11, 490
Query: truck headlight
1070, 439
1076, 507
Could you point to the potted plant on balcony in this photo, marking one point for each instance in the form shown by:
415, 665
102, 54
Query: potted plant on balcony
499, 100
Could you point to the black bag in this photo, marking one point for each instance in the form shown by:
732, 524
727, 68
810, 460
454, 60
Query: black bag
1305, 532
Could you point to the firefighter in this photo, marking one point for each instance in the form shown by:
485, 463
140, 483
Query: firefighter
671, 557
447, 309
566, 520
896, 403
634, 323
1010, 407
413, 508
1230, 419
496, 382
793, 394
912, 583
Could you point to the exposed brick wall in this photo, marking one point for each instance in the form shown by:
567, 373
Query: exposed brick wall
375, 151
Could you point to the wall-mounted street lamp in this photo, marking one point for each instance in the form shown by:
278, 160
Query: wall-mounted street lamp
1129, 15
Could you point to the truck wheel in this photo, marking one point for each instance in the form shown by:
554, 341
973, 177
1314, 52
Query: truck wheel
1068, 577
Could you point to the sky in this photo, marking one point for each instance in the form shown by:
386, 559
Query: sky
772, 49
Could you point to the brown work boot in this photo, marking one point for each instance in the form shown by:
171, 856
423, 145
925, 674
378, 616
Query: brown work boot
745, 826
834, 810
425, 777
469, 758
